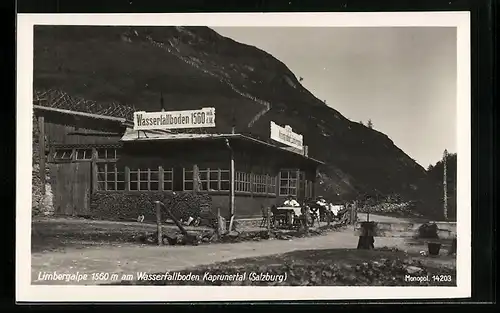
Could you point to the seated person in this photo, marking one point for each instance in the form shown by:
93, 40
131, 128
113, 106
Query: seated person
315, 212
321, 202
290, 201
322, 205
335, 209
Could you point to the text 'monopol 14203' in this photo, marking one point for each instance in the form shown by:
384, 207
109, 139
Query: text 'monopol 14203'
204, 117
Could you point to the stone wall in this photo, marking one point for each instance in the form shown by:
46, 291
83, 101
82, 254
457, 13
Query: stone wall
41, 204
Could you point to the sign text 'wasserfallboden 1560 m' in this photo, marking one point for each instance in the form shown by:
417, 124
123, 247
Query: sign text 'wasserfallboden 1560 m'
204, 117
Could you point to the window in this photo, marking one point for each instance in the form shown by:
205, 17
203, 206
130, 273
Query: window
110, 177
214, 179
210, 179
203, 179
67, 154
259, 183
242, 182
107, 153
168, 179
146, 179
256, 183
288, 183
83, 154
271, 184
63, 155
224, 180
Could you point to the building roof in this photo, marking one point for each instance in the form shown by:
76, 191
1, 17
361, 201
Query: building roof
79, 114
131, 135
58, 99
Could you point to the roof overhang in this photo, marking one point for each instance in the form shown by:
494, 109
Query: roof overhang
134, 136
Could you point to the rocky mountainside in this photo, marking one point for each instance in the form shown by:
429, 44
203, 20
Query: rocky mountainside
195, 67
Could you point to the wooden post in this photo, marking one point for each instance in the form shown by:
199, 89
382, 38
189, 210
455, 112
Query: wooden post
160, 177
176, 221
41, 151
297, 186
355, 213
127, 178
268, 220
231, 191
306, 218
277, 186
94, 170
329, 215
196, 177
219, 226
445, 187
368, 212
252, 182
313, 191
158, 223
352, 206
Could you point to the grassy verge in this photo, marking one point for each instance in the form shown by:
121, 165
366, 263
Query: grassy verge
57, 234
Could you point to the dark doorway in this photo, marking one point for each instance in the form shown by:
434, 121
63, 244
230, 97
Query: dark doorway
178, 178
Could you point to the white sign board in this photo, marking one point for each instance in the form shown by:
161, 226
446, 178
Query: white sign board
201, 118
286, 136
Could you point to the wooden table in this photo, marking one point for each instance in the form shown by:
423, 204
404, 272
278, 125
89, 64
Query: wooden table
291, 212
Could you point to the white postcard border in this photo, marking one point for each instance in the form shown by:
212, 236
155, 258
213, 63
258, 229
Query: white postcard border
27, 292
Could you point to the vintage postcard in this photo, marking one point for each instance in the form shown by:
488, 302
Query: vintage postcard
224, 157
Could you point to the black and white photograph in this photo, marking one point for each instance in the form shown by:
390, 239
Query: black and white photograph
225, 152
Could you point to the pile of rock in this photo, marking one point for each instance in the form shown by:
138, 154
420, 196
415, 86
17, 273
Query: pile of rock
192, 238
388, 207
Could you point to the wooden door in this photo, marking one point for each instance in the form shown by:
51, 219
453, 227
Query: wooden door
82, 188
72, 187
62, 187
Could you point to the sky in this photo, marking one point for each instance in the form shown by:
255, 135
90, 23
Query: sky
403, 79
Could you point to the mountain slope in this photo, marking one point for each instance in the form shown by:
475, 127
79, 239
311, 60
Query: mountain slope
195, 67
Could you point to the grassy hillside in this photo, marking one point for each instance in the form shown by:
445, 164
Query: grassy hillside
195, 67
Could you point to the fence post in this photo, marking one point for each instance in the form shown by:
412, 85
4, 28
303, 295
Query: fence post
268, 220
354, 212
196, 179
158, 222
218, 223
306, 218
329, 215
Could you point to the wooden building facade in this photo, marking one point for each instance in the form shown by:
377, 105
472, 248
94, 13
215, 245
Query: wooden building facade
88, 155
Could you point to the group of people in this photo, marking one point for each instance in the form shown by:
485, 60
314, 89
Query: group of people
319, 208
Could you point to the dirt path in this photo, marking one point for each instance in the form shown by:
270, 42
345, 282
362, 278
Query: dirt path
129, 259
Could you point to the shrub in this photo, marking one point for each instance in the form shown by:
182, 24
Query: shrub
389, 207
129, 205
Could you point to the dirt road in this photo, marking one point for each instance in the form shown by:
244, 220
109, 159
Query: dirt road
130, 259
